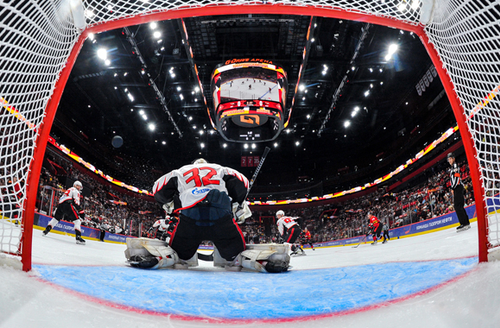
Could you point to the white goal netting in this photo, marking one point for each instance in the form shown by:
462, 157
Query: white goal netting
37, 37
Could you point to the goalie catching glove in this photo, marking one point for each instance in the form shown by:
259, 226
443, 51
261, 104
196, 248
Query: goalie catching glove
241, 212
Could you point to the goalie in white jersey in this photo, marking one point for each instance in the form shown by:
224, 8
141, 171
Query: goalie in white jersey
209, 201
204, 195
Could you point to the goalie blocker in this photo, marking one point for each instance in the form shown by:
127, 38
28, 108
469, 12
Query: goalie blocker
148, 253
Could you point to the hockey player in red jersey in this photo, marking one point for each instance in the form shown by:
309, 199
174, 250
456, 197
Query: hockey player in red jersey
376, 227
305, 238
209, 200
70, 210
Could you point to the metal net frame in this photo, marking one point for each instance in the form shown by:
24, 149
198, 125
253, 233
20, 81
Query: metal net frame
40, 41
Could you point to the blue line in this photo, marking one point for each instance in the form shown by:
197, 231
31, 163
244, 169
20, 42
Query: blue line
249, 295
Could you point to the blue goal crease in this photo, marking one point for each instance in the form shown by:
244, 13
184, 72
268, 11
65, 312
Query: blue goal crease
256, 296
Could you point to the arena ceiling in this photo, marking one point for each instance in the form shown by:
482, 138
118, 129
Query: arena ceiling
357, 109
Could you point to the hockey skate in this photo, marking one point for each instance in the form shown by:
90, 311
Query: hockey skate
463, 228
47, 230
385, 241
374, 243
80, 240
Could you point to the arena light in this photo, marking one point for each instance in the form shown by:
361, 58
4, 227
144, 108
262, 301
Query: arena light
153, 25
347, 124
367, 93
102, 53
392, 50
415, 4
254, 146
157, 34
302, 87
245, 146
151, 126
202, 145
224, 145
130, 96
275, 145
179, 88
163, 142
197, 89
402, 6
107, 62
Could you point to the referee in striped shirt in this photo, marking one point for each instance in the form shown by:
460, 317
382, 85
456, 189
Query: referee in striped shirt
457, 189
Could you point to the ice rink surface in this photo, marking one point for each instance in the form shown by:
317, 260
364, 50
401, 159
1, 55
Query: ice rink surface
429, 280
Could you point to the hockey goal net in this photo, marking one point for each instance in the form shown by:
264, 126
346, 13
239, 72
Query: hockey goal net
40, 40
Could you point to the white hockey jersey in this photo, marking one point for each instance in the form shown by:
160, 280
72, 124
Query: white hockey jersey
285, 223
161, 224
193, 182
71, 193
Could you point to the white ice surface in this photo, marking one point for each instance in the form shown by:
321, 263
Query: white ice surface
471, 301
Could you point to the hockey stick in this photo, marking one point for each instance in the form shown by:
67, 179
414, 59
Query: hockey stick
364, 239
257, 170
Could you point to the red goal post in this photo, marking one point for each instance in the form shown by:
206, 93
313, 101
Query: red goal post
40, 41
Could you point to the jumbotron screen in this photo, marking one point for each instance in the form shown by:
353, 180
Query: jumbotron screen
249, 100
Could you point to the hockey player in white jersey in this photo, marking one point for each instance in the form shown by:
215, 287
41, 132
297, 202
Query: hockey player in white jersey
70, 210
289, 231
209, 200
164, 228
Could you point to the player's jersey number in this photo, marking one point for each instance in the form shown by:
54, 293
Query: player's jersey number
201, 176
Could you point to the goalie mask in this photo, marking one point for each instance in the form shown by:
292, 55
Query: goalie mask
199, 161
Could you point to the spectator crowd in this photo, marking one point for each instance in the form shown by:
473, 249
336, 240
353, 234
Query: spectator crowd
125, 212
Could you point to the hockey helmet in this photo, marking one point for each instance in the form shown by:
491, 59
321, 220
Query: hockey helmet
280, 212
78, 184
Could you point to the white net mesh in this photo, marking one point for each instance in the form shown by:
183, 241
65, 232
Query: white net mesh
466, 35
35, 41
36, 38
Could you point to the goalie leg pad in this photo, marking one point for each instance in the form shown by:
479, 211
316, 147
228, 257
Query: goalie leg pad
272, 258
148, 253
